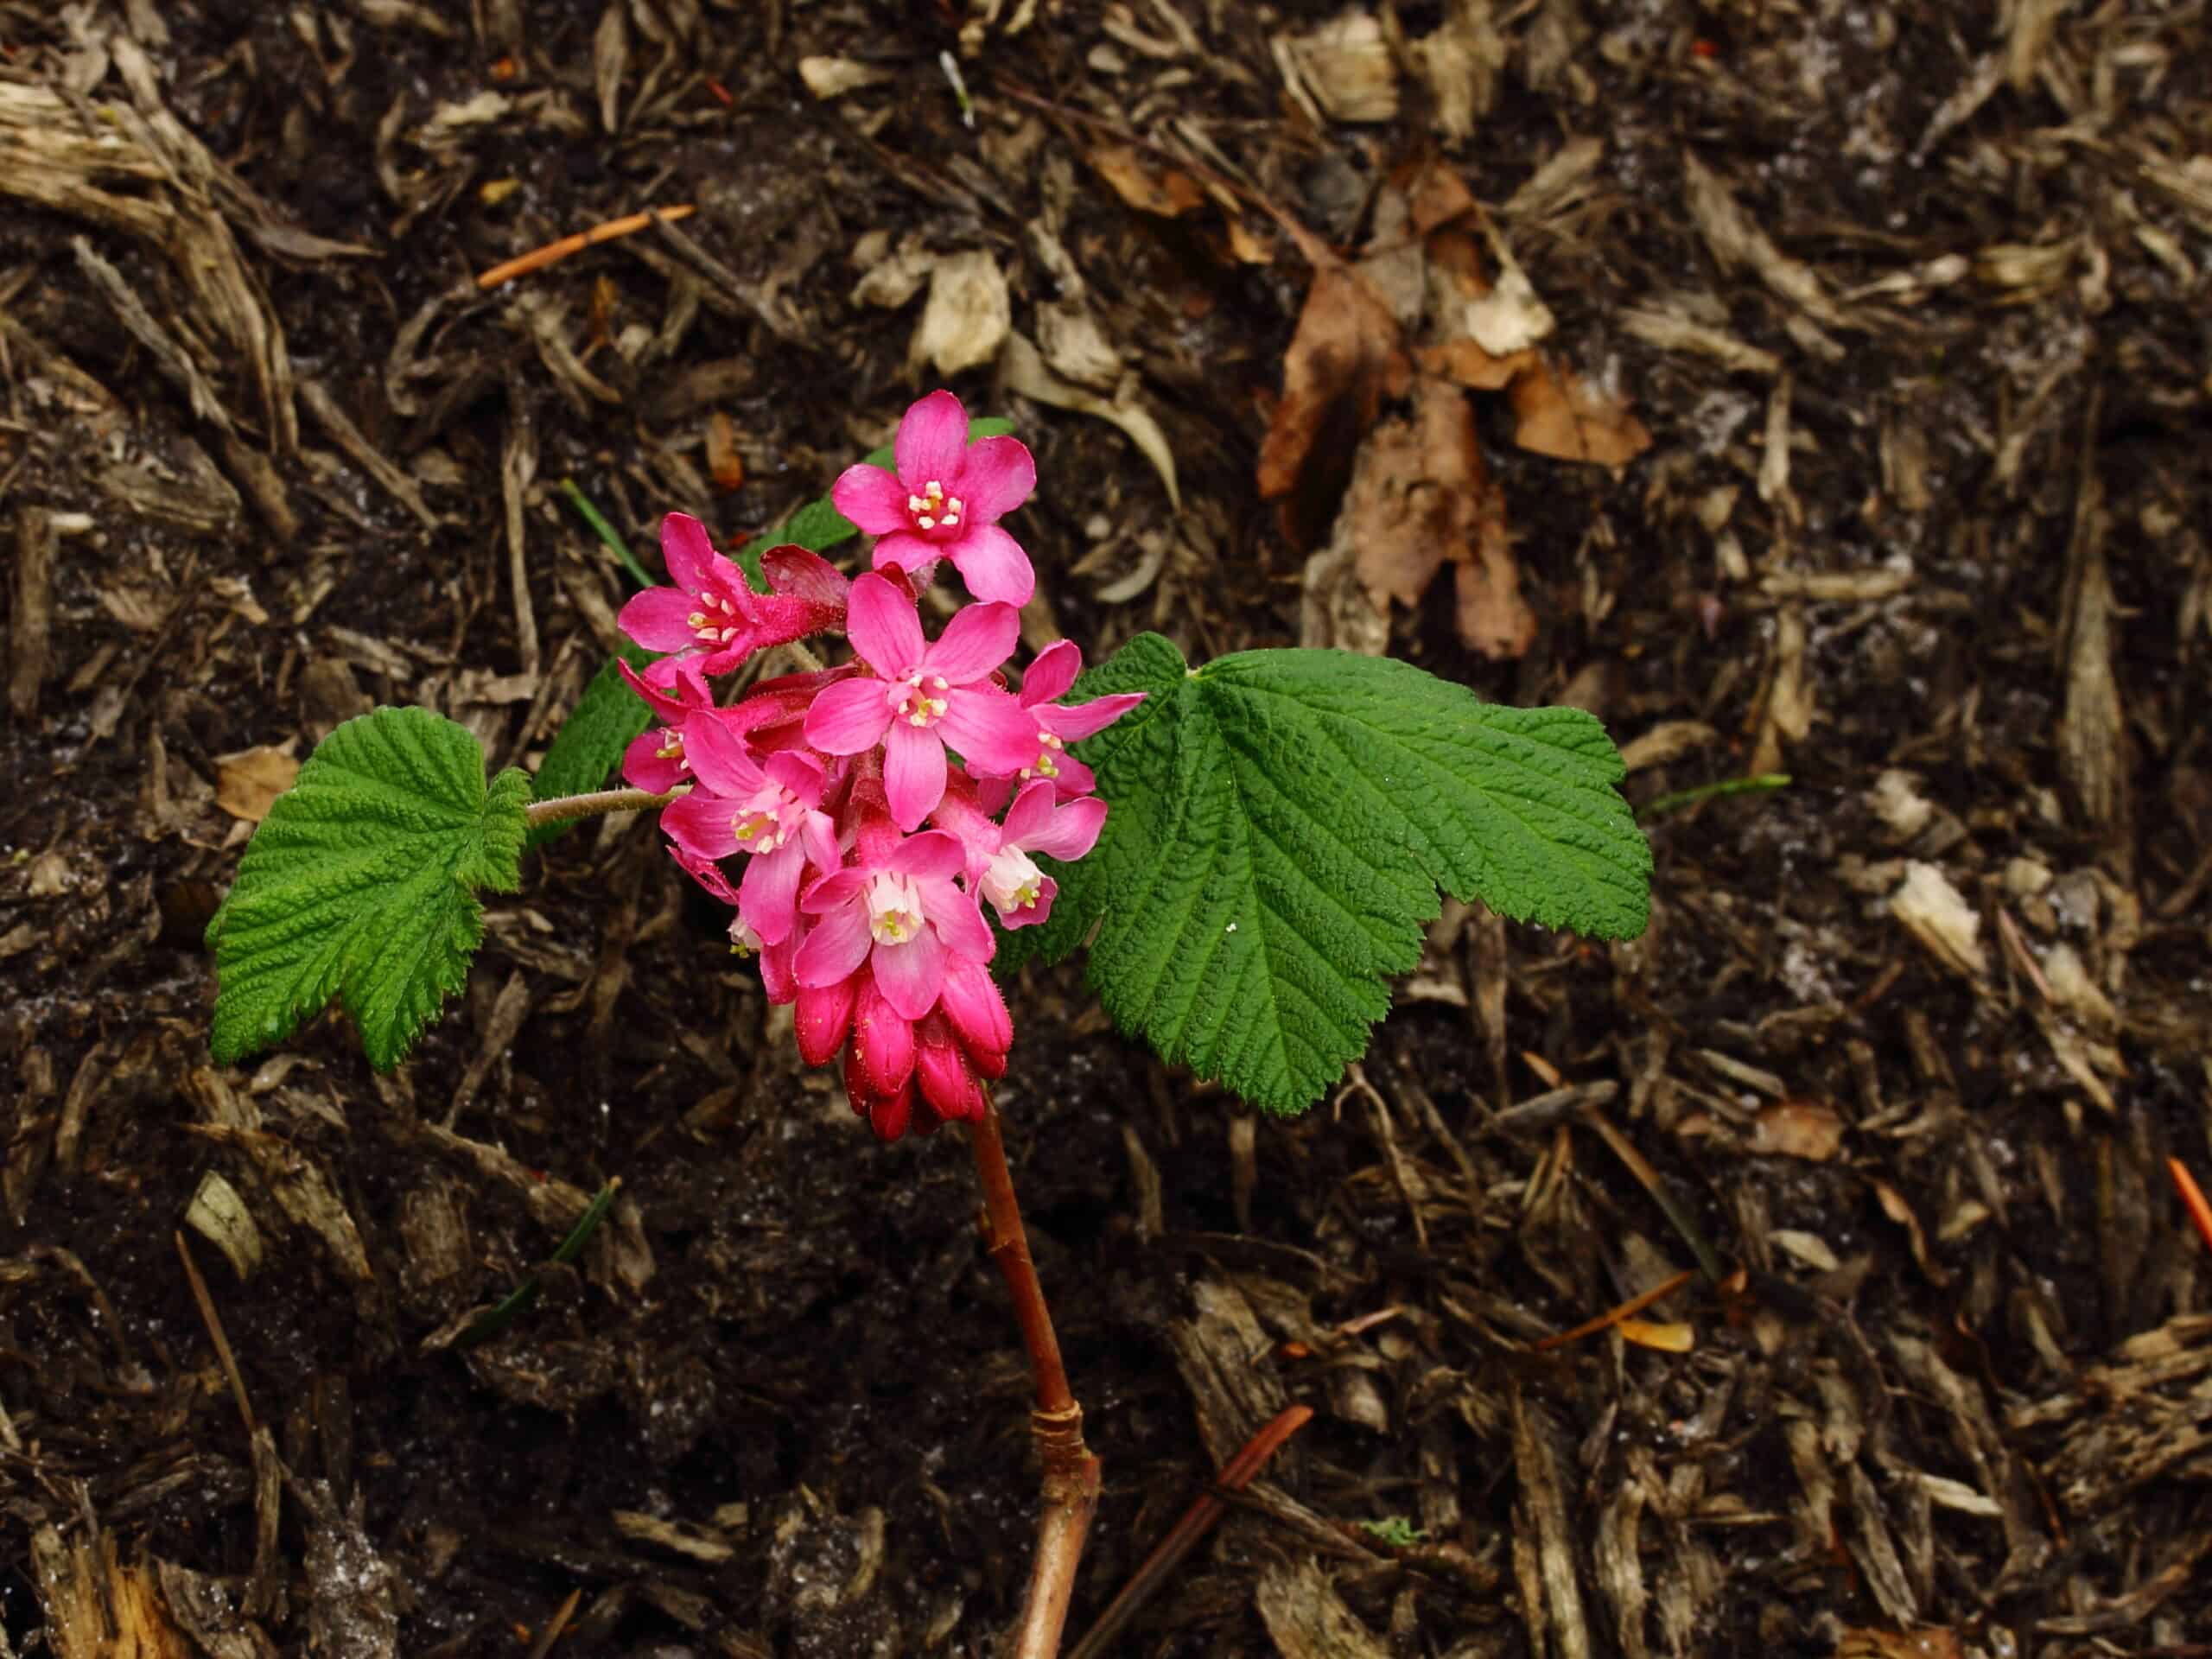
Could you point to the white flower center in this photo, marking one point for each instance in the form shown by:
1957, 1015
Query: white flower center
767, 820
704, 626
933, 509
894, 909
919, 699
1048, 749
1012, 880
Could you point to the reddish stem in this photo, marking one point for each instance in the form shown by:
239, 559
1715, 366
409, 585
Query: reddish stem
1184, 1536
2192, 1198
1069, 1494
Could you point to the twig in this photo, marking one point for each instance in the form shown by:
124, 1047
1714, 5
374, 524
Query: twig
1627, 1310
554, 1625
215, 1330
1183, 1537
567, 809
1070, 1489
2192, 1198
553, 252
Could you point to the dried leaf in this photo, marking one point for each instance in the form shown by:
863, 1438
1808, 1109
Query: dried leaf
1026, 375
1930, 906
723, 461
1668, 1337
1559, 413
966, 317
248, 782
1144, 186
1343, 359
1798, 1128
1853, 1643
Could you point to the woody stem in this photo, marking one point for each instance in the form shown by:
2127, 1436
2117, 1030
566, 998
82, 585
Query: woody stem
1069, 1494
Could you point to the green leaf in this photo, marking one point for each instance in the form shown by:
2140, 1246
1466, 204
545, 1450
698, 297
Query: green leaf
819, 526
1280, 822
361, 885
606, 720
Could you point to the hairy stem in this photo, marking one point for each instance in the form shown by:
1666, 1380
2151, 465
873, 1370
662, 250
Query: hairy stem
1070, 1493
564, 809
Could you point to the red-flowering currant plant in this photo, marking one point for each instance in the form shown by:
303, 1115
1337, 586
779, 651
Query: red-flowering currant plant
1251, 847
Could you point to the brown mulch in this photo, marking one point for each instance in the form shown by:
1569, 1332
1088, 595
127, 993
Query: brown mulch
1802, 388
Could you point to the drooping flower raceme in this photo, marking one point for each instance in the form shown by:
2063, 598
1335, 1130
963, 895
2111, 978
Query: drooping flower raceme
944, 501
868, 851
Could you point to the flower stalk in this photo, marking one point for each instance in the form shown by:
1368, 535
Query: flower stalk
1069, 1495
568, 809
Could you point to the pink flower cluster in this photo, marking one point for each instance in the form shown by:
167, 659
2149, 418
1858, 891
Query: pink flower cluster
823, 781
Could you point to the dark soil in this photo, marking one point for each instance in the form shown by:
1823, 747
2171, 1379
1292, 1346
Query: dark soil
1930, 499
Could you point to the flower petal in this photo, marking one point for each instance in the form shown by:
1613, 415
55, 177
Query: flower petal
796, 572
799, 773
768, 896
645, 764
932, 441
838, 944
659, 619
719, 757
701, 824
977, 639
1030, 816
839, 887
1072, 720
992, 564
909, 975
871, 498
1000, 474
1037, 910
1073, 830
687, 549
1073, 780
916, 555
932, 856
913, 772
884, 627
958, 920
1052, 673
848, 717
995, 734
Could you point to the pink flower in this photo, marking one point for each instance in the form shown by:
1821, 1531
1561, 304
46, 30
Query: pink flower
945, 501
922, 697
1055, 725
1000, 869
655, 758
898, 913
711, 615
771, 811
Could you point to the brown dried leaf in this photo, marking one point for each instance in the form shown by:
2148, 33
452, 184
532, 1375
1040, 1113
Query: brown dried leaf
1668, 1337
1346, 351
1148, 187
1559, 413
1491, 614
1798, 1128
1938, 1643
248, 782
723, 461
